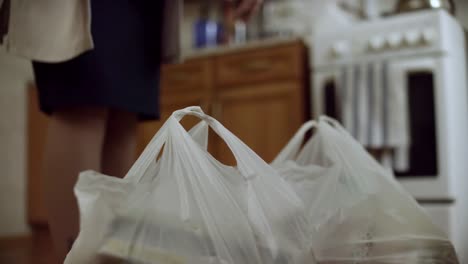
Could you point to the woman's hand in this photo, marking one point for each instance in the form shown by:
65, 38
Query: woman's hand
246, 8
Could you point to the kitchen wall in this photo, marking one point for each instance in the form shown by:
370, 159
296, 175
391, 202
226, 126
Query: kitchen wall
191, 12
384, 6
14, 74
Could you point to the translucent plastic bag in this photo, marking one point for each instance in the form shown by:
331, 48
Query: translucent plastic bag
359, 212
186, 207
99, 196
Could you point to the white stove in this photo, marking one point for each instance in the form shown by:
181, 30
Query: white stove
399, 84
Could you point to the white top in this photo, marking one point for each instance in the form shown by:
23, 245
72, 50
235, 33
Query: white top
57, 30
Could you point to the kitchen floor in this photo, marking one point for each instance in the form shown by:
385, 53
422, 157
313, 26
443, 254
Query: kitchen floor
34, 250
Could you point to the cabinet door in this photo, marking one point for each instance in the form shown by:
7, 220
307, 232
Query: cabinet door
186, 84
169, 104
265, 116
187, 77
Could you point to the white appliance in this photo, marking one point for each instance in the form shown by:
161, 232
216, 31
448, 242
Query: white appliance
303, 17
423, 54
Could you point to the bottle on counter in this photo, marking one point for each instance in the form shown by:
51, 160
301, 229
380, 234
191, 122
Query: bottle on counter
207, 29
235, 29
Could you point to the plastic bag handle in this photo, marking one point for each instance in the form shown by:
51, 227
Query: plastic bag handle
155, 145
199, 134
194, 111
244, 165
292, 148
330, 120
191, 110
335, 124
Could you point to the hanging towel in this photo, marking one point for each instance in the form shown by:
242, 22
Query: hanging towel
346, 84
376, 124
355, 99
375, 110
399, 134
362, 104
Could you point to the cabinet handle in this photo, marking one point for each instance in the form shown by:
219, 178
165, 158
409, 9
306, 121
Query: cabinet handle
255, 66
180, 77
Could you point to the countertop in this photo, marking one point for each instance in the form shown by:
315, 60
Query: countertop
225, 49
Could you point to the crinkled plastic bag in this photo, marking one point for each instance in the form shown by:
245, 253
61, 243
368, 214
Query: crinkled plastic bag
186, 207
359, 212
99, 196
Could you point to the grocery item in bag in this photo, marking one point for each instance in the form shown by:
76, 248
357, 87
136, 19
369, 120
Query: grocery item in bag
98, 197
359, 212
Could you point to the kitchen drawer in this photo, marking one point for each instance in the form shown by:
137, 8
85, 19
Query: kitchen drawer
269, 64
190, 76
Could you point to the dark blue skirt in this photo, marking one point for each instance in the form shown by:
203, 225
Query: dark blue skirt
121, 72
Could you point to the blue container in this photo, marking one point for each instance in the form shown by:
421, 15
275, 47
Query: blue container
207, 33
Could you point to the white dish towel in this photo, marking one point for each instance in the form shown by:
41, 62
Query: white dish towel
375, 110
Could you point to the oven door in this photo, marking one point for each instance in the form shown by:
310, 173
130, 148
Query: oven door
422, 79
325, 97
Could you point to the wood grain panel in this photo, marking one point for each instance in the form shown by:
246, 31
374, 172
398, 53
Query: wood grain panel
264, 116
147, 130
275, 63
191, 76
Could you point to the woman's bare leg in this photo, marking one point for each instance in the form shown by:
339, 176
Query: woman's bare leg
120, 143
74, 143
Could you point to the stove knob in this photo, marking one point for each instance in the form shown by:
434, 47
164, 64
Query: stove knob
429, 35
395, 40
413, 37
339, 49
376, 43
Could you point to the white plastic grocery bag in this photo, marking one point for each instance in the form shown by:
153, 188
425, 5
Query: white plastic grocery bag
98, 197
359, 212
186, 207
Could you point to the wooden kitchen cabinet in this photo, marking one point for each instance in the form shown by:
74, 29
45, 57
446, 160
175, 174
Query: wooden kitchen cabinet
264, 116
261, 65
182, 85
260, 94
